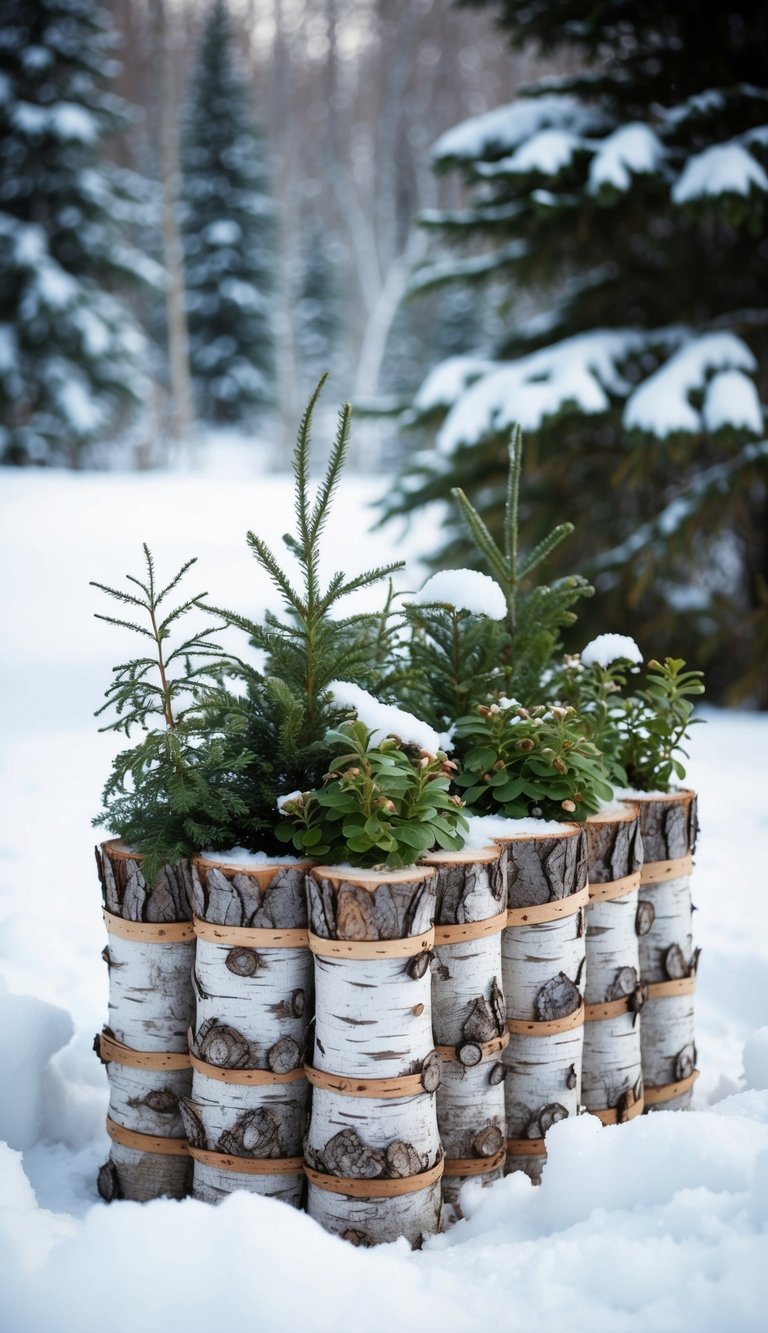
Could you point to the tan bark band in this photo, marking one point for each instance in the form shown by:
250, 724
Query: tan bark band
474, 1166
369, 950
522, 1028
594, 1013
408, 1085
112, 1051
356, 1188
664, 990
614, 888
666, 1091
249, 1166
244, 1077
611, 1115
526, 1148
250, 936
486, 1048
149, 932
130, 1138
656, 872
470, 930
556, 910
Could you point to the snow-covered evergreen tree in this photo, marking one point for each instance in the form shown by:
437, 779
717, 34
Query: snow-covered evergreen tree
622, 209
70, 353
228, 228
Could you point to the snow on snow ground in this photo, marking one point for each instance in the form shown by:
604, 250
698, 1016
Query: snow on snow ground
658, 1224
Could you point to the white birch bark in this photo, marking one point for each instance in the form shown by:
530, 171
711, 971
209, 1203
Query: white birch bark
612, 1066
373, 1021
151, 1005
543, 1085
244, 1120
151, 1001
542, 975
263, 1000
468, 1009
666, 952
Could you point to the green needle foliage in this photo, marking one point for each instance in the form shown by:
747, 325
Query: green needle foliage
453, 662
384, 804
286, 710
179, 788
536, 612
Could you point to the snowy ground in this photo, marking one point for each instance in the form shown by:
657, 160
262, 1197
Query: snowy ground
659, 1224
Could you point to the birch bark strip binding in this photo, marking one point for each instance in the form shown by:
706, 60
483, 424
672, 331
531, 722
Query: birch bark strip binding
612, 1082
149, 956
669, 828
543, 969
373, 1022
253, 985
468, 1013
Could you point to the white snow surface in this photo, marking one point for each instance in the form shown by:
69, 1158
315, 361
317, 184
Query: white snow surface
732, 400
608, 648
483, 829
721, 169
507, 126
464, 589
657, 1224
240, 856
632, 149
661, 405
384, 720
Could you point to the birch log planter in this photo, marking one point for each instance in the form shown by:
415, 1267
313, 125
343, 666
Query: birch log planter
612, 1084
144, 1046
668, 959
246, 1116
469, 1015
373, 1154
543, 958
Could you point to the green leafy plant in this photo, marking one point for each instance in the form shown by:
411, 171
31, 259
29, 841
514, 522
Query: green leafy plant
656, 722
530, 637
284, 712
517, 762
382, 804
180, 787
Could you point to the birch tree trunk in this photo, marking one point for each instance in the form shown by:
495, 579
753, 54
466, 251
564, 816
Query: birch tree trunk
612, 1084
254, 988
668, 959
543, 959
469, 1015
144, 1046
373, 1154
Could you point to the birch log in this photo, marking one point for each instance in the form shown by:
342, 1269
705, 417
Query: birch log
668, 959
543, 960
612, 1083
253, 984
373, 1150
469, 1015
144, 1046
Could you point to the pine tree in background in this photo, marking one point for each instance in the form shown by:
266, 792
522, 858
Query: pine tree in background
317, 319
228, 228
622, 212
70, 354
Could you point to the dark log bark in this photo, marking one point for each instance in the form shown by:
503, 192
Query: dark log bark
266, 897
543, 868
614, 845
126, 893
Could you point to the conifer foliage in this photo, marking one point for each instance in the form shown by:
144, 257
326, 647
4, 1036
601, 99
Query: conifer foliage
70, 354
621, 214
228, 229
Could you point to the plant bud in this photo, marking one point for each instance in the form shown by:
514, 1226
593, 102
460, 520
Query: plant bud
559, 765
568, 805
526, 744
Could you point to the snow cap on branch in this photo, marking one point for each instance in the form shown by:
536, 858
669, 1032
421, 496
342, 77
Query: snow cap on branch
384, 720
608, 648
466, 590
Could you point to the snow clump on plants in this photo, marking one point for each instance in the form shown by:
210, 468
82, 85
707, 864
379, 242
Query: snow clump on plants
608, 648
384, 720
466, 590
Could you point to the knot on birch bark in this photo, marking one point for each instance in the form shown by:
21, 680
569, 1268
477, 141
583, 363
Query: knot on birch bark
644, 917
544, 1119
403, 1159
497, 1074
346, 1155
558, 998
284, 1056
480, 1025
623, 985
194, 1128
685, 1062
254, 1134
488, 1141
431, 1072
108, 1182
676, 966
222, 1045
243, 962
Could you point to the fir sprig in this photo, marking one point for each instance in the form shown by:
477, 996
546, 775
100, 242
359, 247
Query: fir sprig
535, 614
